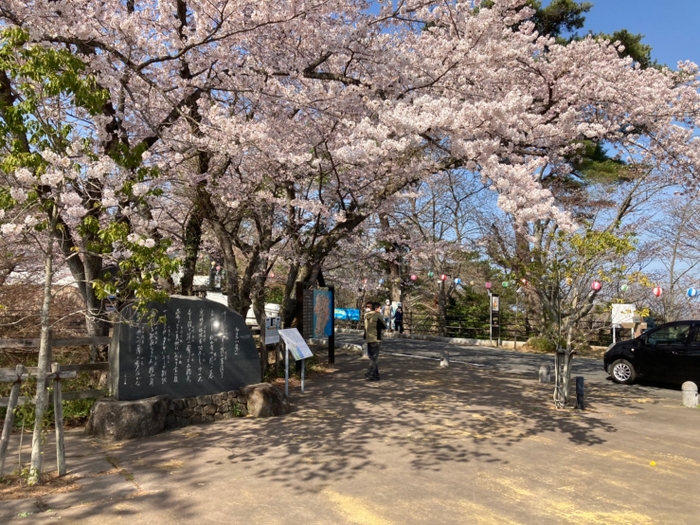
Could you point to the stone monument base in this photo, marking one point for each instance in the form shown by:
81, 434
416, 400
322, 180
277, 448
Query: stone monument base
205, 409
120, 420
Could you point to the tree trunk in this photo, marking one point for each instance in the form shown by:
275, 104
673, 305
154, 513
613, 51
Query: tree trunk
43, 369
442, 309
290, 297
192, 241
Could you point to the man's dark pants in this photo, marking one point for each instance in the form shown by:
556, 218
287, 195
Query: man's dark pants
373, 354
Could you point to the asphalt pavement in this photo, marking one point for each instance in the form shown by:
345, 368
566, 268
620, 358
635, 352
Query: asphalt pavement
501, 359
466, 444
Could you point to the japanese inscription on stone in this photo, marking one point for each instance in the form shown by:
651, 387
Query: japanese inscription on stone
201, 348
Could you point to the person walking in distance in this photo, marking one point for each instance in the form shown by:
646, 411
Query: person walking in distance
398, 319
374, 324
386, 314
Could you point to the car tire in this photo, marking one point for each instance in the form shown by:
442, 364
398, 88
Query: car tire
623, 372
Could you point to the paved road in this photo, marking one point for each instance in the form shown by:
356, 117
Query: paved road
504, 361
462, 445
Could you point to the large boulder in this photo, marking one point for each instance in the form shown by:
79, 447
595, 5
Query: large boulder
119, 420
265, 400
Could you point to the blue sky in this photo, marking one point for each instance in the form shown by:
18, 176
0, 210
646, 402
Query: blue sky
671, 27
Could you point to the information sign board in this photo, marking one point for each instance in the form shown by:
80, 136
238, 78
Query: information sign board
295, 343
622, 313
272, 326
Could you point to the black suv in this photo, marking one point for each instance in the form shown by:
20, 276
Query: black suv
670, 352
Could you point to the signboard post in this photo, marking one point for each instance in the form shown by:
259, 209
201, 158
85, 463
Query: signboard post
315, 318
270, 336
272, 327
495, 310
623, 315
294, 343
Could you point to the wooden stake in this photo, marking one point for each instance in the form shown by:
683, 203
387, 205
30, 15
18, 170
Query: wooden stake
58, 411
10, 418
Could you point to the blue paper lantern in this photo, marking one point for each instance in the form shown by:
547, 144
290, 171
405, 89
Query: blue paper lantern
458, 280
692, 292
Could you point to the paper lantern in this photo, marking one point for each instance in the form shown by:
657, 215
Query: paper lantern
364, 281
458, 280
523, 281
505, 284
692, 292
487, 285
413, 277
272, 275
430, 274
381, 281
596, 285
443, 277
657, 291
471, 283
624, 288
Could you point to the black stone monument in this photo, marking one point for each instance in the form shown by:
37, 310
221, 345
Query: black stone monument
202, 348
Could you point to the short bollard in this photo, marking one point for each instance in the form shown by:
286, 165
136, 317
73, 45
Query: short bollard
545, 374
690, 394
579, 393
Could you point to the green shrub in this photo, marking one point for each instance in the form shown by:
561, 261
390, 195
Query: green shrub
542, 345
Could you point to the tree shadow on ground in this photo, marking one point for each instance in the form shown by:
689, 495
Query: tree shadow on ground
343, 426
420, 416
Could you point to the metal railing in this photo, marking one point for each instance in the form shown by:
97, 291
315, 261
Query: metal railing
598, 333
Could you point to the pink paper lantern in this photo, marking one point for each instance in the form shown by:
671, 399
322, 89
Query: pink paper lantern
272, 275
413, 277
596, 285
487, 285
657, 291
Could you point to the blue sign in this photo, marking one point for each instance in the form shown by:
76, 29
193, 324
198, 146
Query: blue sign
347, 314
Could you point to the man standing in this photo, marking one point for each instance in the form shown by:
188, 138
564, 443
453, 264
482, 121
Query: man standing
374, 324
398, 319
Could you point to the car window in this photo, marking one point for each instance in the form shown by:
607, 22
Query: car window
670, 334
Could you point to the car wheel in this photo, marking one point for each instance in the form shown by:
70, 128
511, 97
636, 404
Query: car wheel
623, 372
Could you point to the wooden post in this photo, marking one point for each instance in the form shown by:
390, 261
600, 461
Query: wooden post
263, 349
579, 393
10, 418
58, 412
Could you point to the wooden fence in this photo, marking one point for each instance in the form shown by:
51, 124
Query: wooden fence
58, 374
